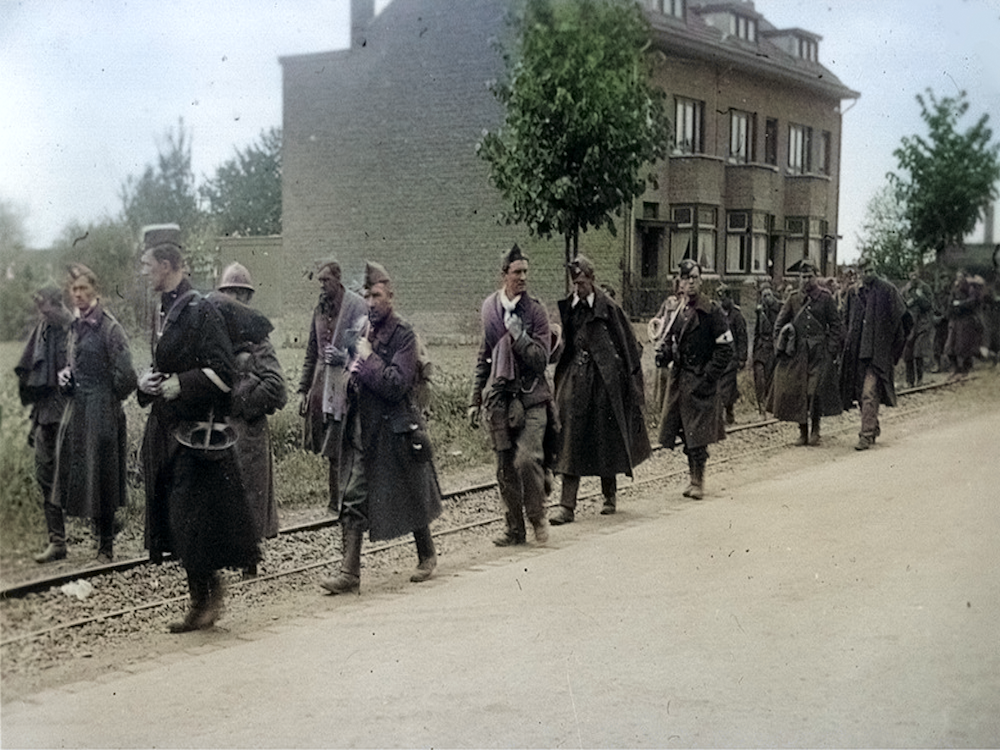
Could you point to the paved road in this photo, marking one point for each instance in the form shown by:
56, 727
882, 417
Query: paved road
799, 611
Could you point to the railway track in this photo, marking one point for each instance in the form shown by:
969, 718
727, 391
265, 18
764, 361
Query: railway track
746, 443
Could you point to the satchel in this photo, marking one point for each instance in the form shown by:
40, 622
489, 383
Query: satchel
515, 413
786, 340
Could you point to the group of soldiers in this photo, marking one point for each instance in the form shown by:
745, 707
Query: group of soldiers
214, 379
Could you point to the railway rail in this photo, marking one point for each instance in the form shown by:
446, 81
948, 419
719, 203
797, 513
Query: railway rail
660, 475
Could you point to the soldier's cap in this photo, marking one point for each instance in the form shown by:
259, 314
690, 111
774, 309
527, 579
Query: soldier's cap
236, 276
803, 266
686, 266
161, 234
375, 273
510, 256
76, 270
865, 261
580, 266
724, 291
331, 262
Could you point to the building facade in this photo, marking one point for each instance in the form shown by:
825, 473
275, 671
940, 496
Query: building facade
379, 158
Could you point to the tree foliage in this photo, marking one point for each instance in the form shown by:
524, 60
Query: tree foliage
244, 197
885, 235
950, 176
582, 118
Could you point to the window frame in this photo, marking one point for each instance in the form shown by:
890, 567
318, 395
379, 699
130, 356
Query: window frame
742, 140
689, 115
799, 148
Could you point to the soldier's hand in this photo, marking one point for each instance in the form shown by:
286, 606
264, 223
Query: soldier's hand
516, 326
334, 355
473, 416
149, 382
303, 404
171, 388
65, 376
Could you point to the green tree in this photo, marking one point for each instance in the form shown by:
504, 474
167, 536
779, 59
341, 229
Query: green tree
18, 276
582, 118
244, 197
886, 237
950, 176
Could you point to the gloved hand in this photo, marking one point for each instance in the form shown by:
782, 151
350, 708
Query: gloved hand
150, 381
334, 355
516, 326
171, 388
65, 377
472, 414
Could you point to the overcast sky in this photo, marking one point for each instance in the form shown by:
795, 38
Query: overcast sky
89, 87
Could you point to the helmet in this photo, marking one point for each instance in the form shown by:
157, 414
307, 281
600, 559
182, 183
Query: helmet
236, 276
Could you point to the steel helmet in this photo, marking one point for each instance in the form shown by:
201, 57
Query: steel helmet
236, 276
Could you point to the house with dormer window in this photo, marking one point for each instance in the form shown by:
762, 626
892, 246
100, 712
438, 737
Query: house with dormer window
379, 158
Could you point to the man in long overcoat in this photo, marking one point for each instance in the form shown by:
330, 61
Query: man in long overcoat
196, 507
258, 391
805, 384
697, 346
919, 346
391, 487
600, 397
511, 393
336, 323
43, 358
764, 357
877, 326
728, 385
965, 327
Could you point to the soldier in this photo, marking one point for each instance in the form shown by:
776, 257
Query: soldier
919, 344
391, 486
697, 346
336, 324
768, 308
728, 387
37, 371
196, 506
258, 391
600, 397
808, 335
511, 391
877, 326
965, 327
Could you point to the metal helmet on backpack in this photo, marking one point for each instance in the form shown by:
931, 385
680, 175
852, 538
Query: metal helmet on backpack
236, 276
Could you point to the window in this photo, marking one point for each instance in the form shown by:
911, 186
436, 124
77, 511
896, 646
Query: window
746, 242
799, 149
689, 136
771, 141
673, 8
741, 137
651, 239
807, 49
823, 154
805, 239
744, 28
693, 236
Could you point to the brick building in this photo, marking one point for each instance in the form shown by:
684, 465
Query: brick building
379, 158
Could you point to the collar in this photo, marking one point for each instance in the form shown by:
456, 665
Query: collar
91, 317
384, 332
506, 303
167, 299
589, 300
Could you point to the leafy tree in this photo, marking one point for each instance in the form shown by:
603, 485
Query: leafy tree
581, 117
885, 235
952, 175
244, 197
18, 275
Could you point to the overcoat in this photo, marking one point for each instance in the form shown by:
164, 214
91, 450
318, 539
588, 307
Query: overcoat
965, 327
600, 395
698, 345
258, 391
877, 326
728, 385
402, 486
92, 446
38, 369
764, 357
333, 322
195, 501
812, 369
919, 302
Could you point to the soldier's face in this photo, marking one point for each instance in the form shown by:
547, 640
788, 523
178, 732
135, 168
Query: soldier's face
690, 285
807, 280
328, 280
515, 279
156, 271
82, 293
584, 286
379, 300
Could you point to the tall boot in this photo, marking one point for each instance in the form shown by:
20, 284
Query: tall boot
803, 435
814, 438
426, 555
56, 522
106, 538
199, 588
911, 374
566, 511
698, 480
918, 366
609, 488
348, 580
691, 486
214, 603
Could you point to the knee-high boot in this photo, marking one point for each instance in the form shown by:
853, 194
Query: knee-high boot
814, 438
348, 580
55, 520
426, 555
609, 488
698, 479
200, 591
690, 488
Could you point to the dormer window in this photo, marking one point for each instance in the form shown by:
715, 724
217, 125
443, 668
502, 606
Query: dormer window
744, 28
674, 8
730, 23
807, 49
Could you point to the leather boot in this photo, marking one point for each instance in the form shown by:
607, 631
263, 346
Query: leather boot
426, 555
106, 539
566, 511
214, 603
803, 435
698, 481
814, 438
690, 488
609, 488
348, 580
199, 588
56, 522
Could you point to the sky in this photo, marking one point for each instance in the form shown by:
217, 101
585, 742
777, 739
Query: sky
88, 88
